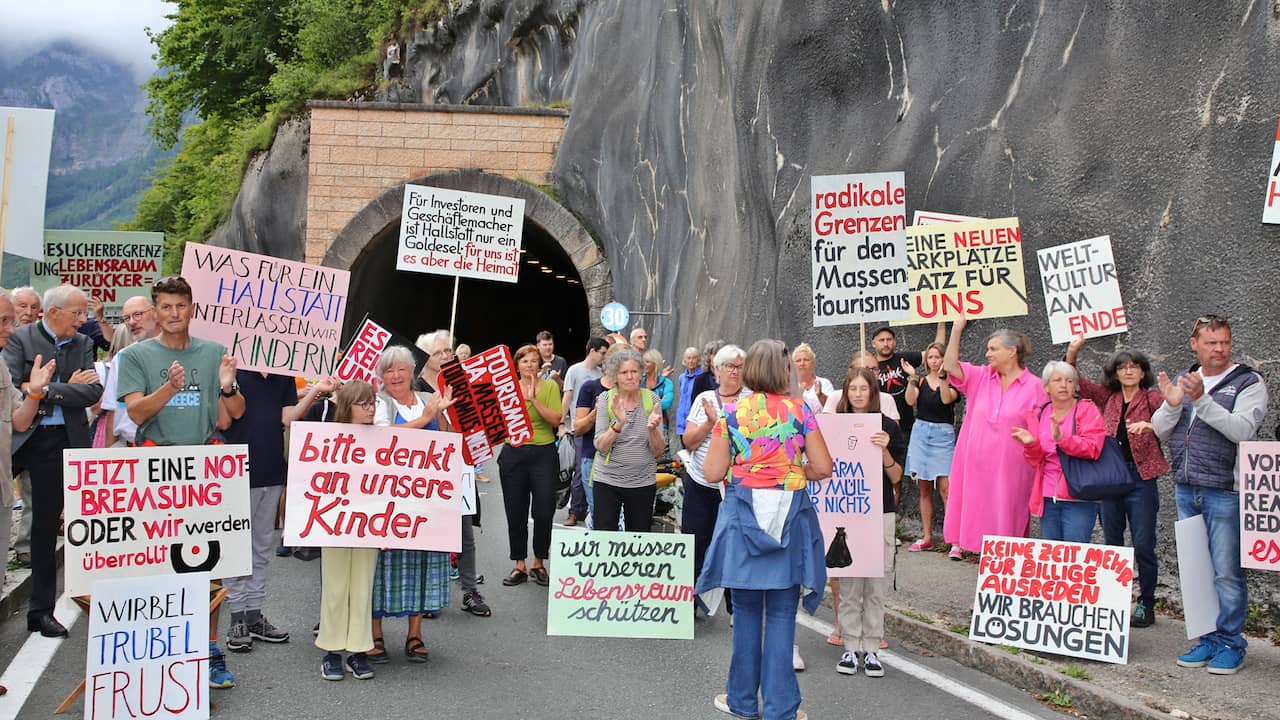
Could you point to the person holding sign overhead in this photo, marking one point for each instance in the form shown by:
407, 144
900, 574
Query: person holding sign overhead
990, 480
629, 437
767, 543
933, 444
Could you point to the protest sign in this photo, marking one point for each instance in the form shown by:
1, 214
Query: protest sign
620, 584
488, 407
360, 358
452, 232
133, 512
971, 268
851, 500
370, 486
1271, 208
1260, 505
1195, 576
924, 217
858, 262
25, 144
1059, 597
110, 265
148, 654
1081, 292
272, 315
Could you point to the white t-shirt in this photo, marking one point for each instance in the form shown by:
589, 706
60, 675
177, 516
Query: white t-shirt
697, 416
383, 415
574, 378
123, 427
887, 406
1210, 382
811, 395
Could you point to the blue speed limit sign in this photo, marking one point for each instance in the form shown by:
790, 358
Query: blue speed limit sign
615, 316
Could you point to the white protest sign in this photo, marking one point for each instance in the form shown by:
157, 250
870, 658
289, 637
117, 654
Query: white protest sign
1271, 208
148, 654
133, 512
26, 164
1081, 291
858, 256
925, 217
1195, 576
452, 232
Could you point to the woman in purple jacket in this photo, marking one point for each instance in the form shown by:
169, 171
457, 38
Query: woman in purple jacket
1127, 398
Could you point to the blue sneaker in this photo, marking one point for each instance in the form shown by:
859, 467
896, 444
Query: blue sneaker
219, 676
1227, 661
1198, 656
331, 667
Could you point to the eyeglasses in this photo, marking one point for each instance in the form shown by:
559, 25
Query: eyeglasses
367, 404
1213, 322
136, 316
731, 368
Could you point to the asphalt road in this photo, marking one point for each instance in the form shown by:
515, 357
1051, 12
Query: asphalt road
506, 666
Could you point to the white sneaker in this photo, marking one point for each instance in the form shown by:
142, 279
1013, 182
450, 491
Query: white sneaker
871, 665
848, 664
797, 662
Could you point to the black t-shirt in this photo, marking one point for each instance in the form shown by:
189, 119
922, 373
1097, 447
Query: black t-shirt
930, 408
260, 427
1122, 431
894, 381
704, 382
897, 449
587, 395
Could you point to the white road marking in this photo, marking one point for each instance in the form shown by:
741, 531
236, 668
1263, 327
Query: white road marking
33, 657
980, 699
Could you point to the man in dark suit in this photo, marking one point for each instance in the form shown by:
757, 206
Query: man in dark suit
61, 423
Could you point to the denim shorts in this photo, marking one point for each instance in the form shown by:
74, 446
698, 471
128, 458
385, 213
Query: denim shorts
930, 451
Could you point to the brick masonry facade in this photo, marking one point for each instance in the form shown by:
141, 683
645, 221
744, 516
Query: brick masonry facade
359, 151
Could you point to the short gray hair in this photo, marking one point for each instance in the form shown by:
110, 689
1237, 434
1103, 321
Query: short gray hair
614, 361
691, 350
396, 354
1013, 339
727, 353
59, 295
1058, 367
427, 340
6, 295
24, 290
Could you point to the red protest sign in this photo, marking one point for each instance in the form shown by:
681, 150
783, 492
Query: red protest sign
488, 407
360, 360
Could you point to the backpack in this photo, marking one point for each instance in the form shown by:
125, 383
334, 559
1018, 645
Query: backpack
647, 400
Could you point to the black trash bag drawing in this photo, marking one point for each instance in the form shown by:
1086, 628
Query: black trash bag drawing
838, 555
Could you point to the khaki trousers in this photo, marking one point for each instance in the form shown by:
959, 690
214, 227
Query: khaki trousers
862, 600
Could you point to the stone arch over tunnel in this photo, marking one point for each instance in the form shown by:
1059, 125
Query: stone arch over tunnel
565, 298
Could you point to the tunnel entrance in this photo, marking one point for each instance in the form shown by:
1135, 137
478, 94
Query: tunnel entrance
563, 281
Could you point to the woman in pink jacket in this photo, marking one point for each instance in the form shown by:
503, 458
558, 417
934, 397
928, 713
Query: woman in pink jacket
1063, 425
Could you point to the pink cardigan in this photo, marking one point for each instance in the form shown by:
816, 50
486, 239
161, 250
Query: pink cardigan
1085, 442
1145, 446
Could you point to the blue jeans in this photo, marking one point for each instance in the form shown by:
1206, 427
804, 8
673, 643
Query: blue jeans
1138, 511
585, 468
762, 659
1068, 521
1221, 511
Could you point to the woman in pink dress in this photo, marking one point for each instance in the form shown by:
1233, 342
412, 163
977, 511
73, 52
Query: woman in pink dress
990, 480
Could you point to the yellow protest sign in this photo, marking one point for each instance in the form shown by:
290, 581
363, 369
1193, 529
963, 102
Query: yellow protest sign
972, 269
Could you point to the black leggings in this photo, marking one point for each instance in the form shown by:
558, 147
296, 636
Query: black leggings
610, 499
529, 472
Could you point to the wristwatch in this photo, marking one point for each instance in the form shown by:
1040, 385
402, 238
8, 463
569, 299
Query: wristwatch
235, 388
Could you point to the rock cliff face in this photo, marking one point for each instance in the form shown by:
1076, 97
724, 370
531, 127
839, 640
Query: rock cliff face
696, 124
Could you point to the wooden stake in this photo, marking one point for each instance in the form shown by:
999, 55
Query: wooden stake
862, 340
4, 186
453, 312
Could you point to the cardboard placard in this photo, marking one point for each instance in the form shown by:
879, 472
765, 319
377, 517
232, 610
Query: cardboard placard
272, 315
370, 486
135, 512
148, 654
970, 268
488, 407
110, 265
620, 584
360, 357
858, 255
853, 497
1081, 291
1058, 597
1260, 505
453, 232
1271, 208
1195, 576
28, 178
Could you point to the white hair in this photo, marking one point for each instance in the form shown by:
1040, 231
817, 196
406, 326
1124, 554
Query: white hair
426, 342
1058, 367
727, 353
58, 296
395, 354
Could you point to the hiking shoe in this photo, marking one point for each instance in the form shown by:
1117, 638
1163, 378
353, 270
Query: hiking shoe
1227, 661
358, 666
219, 675
1198, 656
238, 638
331, 667
266, 632
473, 603
797, 662
848, 664
722, 704
871, 665
1142, 616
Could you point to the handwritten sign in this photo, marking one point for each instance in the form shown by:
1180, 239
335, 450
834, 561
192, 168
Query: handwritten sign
134, 512
27, 173
1081, 291
452, 232
272, 315
112, 265
488, 407
971, 268
858, 260
360, 358
1059, 597
148, 654
1271, 208
370, 486
1260, 505
620, 584
852, 498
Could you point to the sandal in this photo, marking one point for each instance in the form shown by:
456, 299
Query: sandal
920, 546
516, 577
540, 576
835, 639
416, 650
378, 655
431, 614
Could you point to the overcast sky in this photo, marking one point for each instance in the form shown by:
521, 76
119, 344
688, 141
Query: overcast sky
114, 26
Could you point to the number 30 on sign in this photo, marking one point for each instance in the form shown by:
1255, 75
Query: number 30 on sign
614, 316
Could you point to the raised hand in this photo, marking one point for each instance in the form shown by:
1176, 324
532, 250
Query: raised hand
1023, 436
328, 385
655, 417
616, 406
177, 376
1172, 391
227, 371
880, 438
908, 368
41, 374
713, 413
667, 370
1192, 385
87, 376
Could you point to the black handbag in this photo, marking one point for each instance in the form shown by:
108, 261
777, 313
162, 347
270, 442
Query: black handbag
838, 555
1102, 479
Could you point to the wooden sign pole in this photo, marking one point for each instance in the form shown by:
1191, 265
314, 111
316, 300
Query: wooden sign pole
4, 186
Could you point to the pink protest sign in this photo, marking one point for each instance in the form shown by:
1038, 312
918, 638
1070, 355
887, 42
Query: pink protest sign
370, 486
272, 315
852, 498
1260, 505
